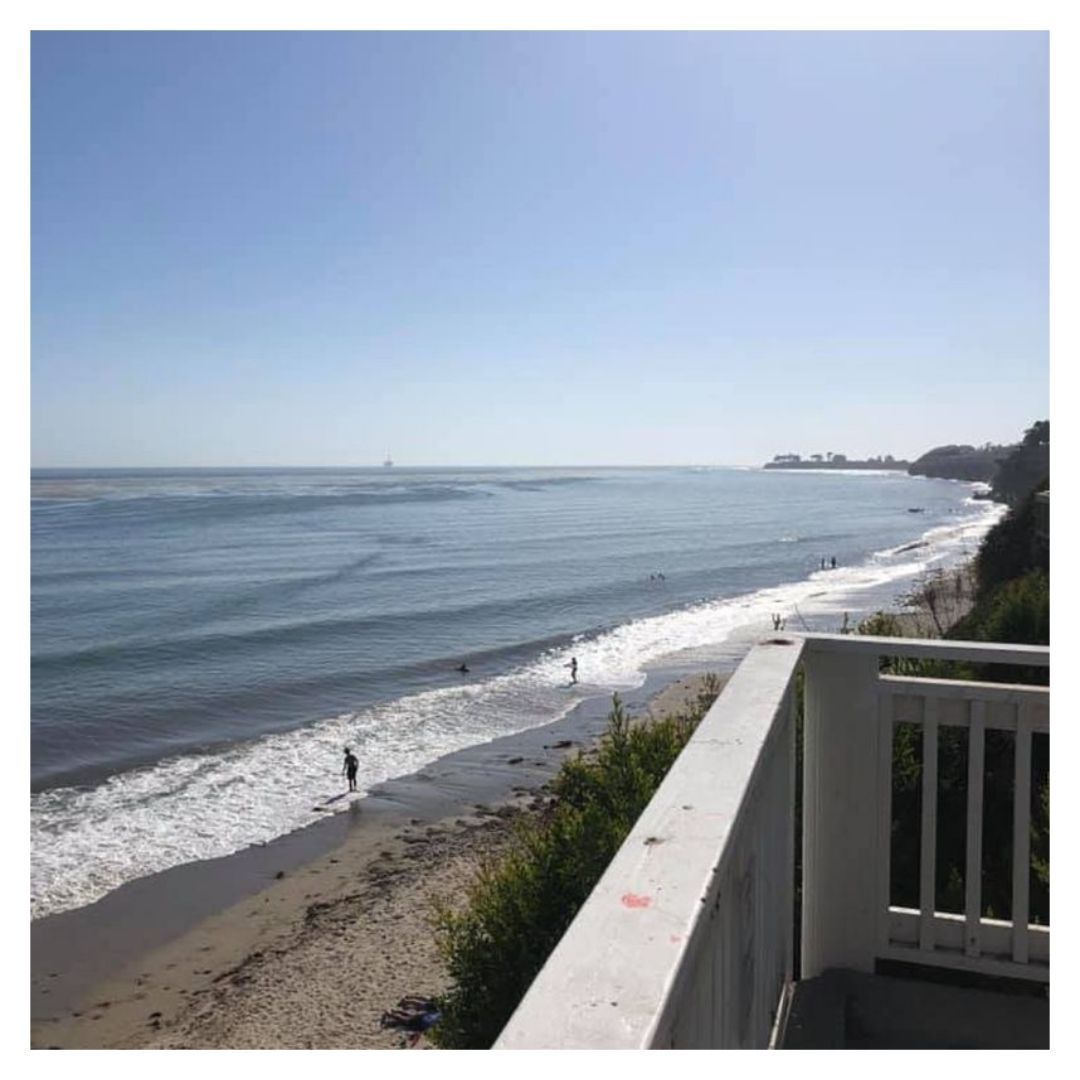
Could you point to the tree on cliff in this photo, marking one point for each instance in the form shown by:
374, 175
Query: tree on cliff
1025, 468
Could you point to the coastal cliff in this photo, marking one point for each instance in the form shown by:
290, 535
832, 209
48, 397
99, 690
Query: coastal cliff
959, 462
1013, 471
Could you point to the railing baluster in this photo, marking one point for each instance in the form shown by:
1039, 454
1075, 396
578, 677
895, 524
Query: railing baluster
928, 849
886, 706
1021, 835
973, 870
788, 857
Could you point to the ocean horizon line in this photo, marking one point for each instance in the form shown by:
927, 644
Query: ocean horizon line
379, 466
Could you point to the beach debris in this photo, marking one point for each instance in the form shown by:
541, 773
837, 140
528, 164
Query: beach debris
413, 1014
279, 875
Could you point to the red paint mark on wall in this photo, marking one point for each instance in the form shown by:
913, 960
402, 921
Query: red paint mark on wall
632, 900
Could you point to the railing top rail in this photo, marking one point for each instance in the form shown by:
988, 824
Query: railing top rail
982, 652
607, 983
1014, 693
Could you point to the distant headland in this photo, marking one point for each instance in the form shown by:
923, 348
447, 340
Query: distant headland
834, 461
1012, 471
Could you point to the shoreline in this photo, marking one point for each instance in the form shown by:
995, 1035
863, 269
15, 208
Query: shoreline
157, 958
89, 841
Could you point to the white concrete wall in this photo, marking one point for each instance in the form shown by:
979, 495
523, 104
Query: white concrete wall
686, 941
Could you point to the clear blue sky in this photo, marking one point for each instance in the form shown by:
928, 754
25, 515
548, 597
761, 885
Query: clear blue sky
315, 249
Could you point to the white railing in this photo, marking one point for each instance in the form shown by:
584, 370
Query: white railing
967, 939
848, 920
686, 941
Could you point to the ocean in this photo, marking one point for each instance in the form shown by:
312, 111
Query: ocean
205, 642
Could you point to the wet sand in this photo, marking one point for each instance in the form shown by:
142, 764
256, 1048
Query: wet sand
305, 942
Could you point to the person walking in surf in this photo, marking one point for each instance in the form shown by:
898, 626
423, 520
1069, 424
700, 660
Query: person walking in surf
573, 669
352, 763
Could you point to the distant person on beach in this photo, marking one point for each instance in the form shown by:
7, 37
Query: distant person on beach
352, 763
573, 669
776, 622
834, 562
822, 562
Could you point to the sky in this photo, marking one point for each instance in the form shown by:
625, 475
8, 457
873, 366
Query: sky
534, 248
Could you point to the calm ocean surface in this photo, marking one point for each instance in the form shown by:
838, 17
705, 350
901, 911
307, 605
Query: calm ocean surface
204, 642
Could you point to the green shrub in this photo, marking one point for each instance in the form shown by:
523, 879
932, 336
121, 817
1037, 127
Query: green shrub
1017, 611
519, 907
1011, 548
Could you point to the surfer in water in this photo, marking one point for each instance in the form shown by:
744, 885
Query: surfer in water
573, 669
352, 763
463, 668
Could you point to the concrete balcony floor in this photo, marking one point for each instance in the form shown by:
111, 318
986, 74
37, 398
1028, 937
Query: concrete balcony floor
847, 1010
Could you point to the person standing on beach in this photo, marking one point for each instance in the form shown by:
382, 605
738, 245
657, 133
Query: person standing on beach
573, 669
352, 763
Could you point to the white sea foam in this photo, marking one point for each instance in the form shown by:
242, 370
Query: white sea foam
86, 842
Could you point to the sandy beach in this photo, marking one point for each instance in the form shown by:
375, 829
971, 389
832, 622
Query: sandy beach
314, 958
